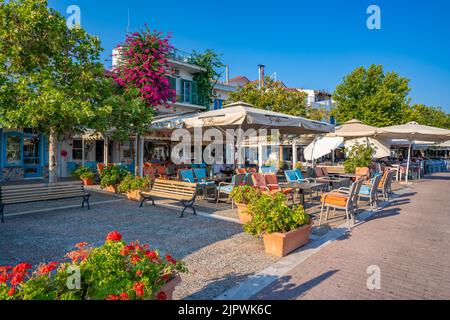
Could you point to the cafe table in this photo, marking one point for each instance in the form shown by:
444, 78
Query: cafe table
305, 187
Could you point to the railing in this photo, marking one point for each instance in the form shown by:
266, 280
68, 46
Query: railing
181, 56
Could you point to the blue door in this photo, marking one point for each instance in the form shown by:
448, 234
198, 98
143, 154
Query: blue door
32, 157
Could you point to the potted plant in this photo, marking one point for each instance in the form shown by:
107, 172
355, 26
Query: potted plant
111, 177
283, 229
242, 196
133, 186
359, 156
84, 174
114, 271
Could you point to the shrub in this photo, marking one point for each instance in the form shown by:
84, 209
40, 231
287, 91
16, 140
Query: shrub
360, 155
271, 215
83, 173
114, 271
244, 194
113, 176
132, 183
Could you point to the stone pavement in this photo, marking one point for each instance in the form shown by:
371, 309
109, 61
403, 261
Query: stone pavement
408, 241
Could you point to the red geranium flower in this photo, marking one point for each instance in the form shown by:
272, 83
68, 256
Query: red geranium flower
81, 245
161, 296
17, 278
139, 273
139, 289
124, 296
3, 277
170, 259
114, 236
112, 297
22, 267
135, 258
47, 268
11, 291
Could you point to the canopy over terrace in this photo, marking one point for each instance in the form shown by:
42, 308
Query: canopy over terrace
245, 116
414, 131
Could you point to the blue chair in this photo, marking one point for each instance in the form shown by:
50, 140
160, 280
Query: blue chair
370, 191
296, 176
188, 176
227, 188
92, 165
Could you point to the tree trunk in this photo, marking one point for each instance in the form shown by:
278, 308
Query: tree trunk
53, 157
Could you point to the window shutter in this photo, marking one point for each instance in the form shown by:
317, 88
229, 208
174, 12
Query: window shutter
182, 89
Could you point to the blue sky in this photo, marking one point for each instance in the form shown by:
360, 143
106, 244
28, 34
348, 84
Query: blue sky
309, 44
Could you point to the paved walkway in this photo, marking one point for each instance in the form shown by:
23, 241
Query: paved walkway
408, 241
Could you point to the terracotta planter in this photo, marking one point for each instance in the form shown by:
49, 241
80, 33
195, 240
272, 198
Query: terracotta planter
244, 217
169, 287
88, 182
281, 244
111, 189
134, 195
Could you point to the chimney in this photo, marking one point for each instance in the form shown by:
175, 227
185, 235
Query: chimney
227, 75
261, 76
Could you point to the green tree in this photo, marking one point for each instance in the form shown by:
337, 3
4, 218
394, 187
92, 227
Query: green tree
429, 116
210, 61
372, 96
51, 76
274, 97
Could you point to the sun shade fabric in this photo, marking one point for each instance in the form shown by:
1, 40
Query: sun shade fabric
354, 129
246, 117
322, 146
414, 131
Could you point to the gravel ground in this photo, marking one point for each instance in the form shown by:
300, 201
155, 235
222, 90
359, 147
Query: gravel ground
217, 253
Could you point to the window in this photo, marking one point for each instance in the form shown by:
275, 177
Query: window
187, 88
77, 149
13, 149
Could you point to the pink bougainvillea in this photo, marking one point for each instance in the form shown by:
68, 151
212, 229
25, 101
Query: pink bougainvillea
144, 66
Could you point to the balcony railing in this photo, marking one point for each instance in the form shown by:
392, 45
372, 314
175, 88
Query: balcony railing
180, 56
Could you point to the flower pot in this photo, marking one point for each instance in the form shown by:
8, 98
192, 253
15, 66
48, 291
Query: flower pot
134, 195
88, 182
244, 217
281, 244
169, 287
112, 189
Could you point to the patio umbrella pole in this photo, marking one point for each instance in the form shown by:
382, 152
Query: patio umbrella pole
409, 160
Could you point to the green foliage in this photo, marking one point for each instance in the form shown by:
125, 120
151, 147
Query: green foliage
299, 166
113, 176
274, 97
210, 61
114, 271
132, 183
50, 76
83, 173
429, 116
372, 96
245, 194
271, 214
359, 156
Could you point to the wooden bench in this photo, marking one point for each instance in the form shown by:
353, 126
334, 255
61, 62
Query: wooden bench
184, 192
16, 194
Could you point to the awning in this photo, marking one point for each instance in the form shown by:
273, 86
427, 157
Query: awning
246, 116
171, 121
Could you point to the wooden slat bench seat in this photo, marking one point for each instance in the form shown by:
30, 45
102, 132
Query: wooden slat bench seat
184, 192
17, 194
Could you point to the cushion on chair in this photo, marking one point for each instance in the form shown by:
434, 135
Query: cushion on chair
337, 199
225, 189
365, 190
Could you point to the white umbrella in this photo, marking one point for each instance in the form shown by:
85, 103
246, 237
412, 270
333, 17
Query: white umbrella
413, 131
322, 146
